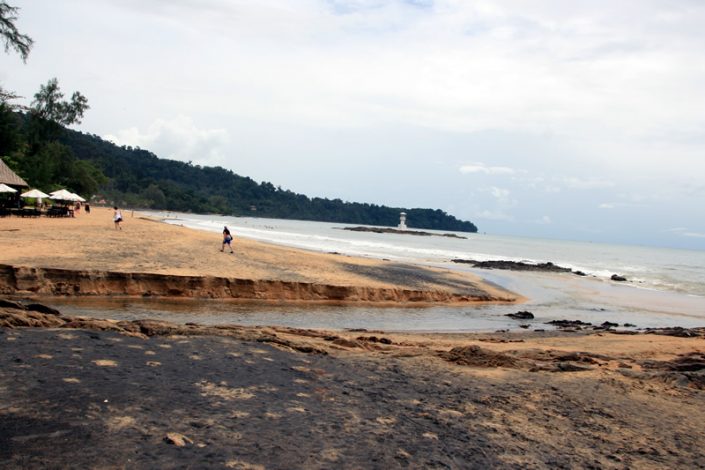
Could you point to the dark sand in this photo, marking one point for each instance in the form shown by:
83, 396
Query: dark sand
249, 398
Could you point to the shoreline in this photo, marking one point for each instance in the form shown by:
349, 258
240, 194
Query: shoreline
89, 257
22, 280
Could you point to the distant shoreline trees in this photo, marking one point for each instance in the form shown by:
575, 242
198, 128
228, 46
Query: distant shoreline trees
38, 146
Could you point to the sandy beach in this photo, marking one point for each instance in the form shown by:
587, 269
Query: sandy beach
81, 392
90, 243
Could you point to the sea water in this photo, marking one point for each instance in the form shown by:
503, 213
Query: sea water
665, 287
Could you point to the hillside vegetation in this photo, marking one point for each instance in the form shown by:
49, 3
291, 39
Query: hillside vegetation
136, 177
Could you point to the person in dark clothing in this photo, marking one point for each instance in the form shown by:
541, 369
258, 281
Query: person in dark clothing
227, 238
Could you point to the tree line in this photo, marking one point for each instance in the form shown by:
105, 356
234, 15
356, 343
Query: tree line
37, 144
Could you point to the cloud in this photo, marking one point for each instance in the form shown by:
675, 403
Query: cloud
685, 232
499, 193
487, 170
494, 215
545, 220
694, 234
588, 183
179, 139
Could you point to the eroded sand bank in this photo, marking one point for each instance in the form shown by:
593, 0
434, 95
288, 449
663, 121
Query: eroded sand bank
87, 256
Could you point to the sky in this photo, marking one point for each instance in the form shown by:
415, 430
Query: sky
580, 120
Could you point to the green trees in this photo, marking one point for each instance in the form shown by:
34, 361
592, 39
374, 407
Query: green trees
49, 106
136, 177
29, 143
12, 38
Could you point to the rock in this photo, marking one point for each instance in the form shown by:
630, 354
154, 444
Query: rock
579, 273
618, 278
514, 265
10, 304
523, 315
179, 440
568, 367
476, 356
677, 331
43, 309
607, 325
629, 325
401, 232
346, 343
568, 323
374, 339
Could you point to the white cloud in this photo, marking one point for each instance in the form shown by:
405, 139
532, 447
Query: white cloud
487, 170
545, 220
694, 234
179, 139
682, 231
586, 183
302, 92
494, 215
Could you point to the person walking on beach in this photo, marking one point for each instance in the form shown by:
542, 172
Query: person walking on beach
227, 238
117, 218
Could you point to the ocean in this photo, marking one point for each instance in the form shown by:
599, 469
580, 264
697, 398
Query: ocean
665, 287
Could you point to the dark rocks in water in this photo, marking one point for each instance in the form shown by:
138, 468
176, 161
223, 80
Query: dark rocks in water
609, 324
42, 309
402, 232
525, 326
514, 265
568, 323
523, 315
4, 303
547, 267
32, 307
629, 325
618, 278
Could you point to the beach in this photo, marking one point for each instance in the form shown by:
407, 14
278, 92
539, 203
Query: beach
79, 252
102, 393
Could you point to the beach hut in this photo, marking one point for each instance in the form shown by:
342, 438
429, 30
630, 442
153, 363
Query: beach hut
10, 178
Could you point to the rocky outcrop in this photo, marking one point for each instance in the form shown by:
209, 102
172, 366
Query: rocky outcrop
516, 266
64, 282
402, 232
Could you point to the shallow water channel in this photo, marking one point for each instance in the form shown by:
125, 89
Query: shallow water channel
551, 297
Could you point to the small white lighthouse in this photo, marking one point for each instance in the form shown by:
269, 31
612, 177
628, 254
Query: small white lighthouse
402, 221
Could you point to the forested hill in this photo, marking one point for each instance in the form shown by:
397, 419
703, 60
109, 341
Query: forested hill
136, 177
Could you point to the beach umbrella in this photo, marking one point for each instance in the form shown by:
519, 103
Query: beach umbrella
35, 193
6, 189
78, 198
64, 195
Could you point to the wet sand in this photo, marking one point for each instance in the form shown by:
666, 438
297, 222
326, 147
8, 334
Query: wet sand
85, 393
